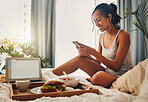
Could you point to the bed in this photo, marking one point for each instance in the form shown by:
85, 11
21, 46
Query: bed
106, 95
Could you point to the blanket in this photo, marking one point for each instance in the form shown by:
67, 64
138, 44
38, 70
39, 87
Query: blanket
107, 95
132, 80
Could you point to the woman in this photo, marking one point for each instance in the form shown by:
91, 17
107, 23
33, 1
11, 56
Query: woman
113, 50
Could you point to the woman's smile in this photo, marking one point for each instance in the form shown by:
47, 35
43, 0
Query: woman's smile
100, 27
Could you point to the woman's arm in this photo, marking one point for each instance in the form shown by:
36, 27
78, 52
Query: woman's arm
93, 59
123, 43
99, 50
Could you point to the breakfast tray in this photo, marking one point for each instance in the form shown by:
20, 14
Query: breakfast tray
28, 95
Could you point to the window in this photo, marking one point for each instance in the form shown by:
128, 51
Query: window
15, 19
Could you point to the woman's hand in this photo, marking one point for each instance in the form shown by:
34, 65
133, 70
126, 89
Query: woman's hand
86, 50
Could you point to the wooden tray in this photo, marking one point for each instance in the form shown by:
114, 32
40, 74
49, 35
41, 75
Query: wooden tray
28, 95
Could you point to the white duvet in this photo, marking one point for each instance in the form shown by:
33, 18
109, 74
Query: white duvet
107, 95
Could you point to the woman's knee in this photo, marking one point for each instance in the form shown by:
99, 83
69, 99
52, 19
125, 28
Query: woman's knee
79, 58
97, 78
104, 79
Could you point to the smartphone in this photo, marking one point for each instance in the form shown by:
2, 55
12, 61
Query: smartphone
76, 43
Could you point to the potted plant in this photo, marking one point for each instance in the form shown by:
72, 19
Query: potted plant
10, 48
141, 20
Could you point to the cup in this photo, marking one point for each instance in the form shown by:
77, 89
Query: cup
72, 82
22, 85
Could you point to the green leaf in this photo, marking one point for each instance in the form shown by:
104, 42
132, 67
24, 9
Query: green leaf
1, 73
45, 63
128, 13
133, 30
141, 19
4, 68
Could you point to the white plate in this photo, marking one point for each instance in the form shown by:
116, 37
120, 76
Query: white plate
69, 89
36, 90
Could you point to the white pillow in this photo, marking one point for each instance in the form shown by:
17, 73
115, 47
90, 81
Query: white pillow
144, 88
131, 81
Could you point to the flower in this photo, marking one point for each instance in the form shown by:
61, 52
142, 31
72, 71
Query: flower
10, 47
15, 48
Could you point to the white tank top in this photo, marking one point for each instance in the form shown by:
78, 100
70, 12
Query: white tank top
110, 53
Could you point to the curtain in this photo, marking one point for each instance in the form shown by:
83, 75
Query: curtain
136, 36
43, 28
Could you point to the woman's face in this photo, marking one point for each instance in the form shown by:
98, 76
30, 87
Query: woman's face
101, 22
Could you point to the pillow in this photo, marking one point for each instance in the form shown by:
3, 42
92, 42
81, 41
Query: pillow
130, 82
143, 89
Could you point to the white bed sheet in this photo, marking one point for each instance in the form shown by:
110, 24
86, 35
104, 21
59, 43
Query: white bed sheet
108, 95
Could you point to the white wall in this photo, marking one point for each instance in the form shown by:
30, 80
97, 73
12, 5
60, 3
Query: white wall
15, 19
73, 22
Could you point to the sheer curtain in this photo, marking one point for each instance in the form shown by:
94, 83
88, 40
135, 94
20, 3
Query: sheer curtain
43, 27
137, 39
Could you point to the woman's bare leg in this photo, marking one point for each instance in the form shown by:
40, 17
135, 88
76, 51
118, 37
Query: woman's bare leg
85, 64
102, 78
